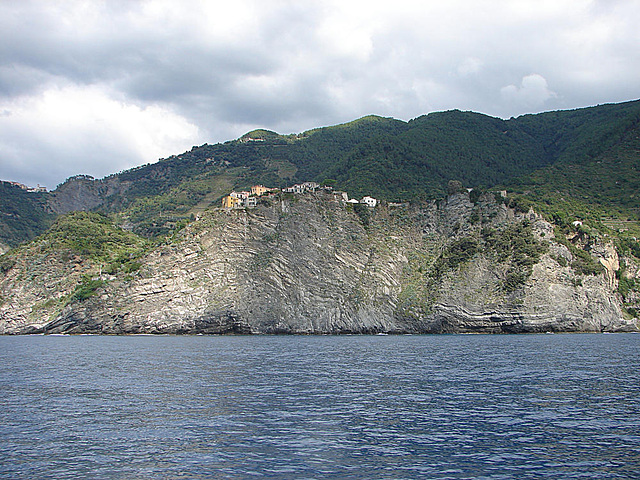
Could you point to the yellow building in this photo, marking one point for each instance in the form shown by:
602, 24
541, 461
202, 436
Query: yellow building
258, 190
230, 202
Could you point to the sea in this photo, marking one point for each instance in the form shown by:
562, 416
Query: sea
563, 406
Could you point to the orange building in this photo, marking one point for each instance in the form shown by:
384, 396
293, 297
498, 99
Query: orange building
259, 190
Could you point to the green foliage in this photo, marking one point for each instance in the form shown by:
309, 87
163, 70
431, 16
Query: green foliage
23, 215
627, 285
394, 160
457, 253
520, 204
583, 262
514, 246
629, 290
264, 135
93, 236
517, 247
127, 261
563, 164
363, 213
561, 260
86, 289
454, 186
629, 246
6, 263
594, 174
475, 194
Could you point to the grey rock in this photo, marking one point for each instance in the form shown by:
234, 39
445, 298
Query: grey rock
309, 266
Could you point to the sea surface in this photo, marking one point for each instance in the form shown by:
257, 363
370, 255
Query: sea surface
305, 407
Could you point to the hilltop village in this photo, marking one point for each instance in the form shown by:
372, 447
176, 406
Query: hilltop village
249, 199
22, 186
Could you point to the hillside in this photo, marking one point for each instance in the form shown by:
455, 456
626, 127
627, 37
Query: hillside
571, 164
23, 215
312, 263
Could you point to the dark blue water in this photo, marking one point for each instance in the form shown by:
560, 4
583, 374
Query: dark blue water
480, 407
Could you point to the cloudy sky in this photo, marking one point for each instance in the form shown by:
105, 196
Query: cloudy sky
96, 87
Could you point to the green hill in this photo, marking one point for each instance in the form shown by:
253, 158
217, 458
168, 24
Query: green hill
23, 214
576, 163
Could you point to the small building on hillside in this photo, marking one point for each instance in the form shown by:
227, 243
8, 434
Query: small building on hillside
372, 202
260, 190
239, 200
302, 188
294, 189
240, 195
230, 202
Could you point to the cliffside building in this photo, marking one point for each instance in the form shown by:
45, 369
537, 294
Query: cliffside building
28, 189
302, 188
245, 199
259, 190
372, 202
230, 202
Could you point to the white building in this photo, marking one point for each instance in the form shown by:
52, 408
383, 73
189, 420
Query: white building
372, 202
302, 188
245, 199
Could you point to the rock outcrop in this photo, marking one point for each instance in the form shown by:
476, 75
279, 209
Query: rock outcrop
84, 193
311, 264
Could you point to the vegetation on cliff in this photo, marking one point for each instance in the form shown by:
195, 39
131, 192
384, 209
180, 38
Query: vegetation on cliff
23, 214
567, 164
578, 168
311, 263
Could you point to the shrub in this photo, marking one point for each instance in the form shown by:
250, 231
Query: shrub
86, 289
363, 213
457, 253
6, 263
584, 263
454, 186
517, 246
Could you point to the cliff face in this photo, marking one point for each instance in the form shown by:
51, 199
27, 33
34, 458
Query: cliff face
82, 193
310, 264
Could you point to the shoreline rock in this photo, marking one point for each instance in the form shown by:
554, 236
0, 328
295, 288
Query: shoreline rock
311, 266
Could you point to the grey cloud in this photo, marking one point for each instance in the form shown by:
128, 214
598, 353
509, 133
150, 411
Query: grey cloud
282, 71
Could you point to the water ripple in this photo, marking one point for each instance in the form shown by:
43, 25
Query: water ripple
394, 407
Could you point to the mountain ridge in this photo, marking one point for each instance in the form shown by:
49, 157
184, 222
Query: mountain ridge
388, 158
575, 170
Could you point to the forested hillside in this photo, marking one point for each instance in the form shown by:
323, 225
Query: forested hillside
578, 163
23, 214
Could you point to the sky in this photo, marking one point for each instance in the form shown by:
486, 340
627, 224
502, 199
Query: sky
97, 87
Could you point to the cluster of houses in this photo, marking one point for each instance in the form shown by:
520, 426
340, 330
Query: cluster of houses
28, 189
250, 199
246, 199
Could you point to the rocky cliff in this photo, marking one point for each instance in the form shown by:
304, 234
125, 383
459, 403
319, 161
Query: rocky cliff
312, 264
82, 192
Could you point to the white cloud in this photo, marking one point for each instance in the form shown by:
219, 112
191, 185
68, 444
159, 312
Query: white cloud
88, 131
532, 92
469, 66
